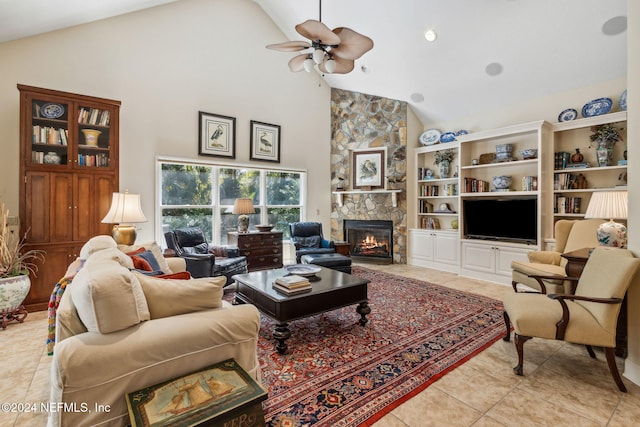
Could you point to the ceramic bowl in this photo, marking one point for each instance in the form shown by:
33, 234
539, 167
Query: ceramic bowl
529, 153
502, 182
503, 151
264, 227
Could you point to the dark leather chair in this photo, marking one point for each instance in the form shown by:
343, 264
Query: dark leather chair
308, 239
202, 258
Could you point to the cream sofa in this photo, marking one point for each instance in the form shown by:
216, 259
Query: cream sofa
118, 331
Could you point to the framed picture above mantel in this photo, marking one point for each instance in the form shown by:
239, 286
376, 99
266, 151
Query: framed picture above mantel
368, 169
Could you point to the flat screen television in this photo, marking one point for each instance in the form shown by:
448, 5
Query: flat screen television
504, 219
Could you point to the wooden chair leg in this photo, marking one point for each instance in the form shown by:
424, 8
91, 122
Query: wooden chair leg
611, 361
520, 340
507, 324
590, 351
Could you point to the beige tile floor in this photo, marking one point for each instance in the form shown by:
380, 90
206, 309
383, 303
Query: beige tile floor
562, 386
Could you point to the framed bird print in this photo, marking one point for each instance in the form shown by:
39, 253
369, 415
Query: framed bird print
265, 142
368, 168
217, 135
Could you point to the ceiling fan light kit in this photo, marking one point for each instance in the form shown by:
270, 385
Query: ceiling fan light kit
334, 52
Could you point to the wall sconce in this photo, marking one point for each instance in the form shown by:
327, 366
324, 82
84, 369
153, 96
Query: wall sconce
124, 212
243, 207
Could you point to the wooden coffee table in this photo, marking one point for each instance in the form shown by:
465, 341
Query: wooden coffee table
331, 290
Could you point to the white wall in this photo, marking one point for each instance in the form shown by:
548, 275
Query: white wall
165, 64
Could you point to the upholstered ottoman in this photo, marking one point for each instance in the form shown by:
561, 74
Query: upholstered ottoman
334, 261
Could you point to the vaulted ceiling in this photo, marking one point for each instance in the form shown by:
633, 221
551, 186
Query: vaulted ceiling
488, 54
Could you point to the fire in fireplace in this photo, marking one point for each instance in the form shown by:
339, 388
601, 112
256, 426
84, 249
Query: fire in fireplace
370, 240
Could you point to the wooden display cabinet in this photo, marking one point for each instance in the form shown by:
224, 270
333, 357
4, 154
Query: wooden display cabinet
69, 171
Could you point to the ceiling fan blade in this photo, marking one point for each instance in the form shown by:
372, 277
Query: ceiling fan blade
297, 62
353, 44
316, 30
343, 66
292, 46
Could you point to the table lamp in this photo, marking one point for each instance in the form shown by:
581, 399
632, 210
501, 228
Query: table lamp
124, 212
612, 205
243, 207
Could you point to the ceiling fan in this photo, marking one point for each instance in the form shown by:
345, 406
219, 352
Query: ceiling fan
333, 51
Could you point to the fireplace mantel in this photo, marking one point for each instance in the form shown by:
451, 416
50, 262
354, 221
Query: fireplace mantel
394, 198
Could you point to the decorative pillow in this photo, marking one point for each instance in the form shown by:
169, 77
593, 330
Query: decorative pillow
150, 259
170, 297
182, 275
96, 244
109, 255
155, 250
108, 297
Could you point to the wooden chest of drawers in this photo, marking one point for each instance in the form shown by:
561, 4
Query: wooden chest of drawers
263, 250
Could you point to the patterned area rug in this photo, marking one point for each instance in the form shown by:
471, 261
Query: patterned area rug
338, 373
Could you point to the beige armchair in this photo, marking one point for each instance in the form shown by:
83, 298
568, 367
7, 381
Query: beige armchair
589, 317
570, 235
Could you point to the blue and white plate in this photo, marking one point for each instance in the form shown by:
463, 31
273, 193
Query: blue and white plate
462, 132
51, 110
304, 270
447, 137
597, 107
623, 101
568, 115
430, 137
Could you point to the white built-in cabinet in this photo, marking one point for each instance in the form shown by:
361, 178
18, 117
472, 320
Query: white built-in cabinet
438, 241
438, 249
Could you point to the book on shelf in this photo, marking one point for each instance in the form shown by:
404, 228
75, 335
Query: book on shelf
293, 281
291, 291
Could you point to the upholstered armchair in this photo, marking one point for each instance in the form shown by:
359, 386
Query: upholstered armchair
308, 239
202, 258
570, 235
588, 317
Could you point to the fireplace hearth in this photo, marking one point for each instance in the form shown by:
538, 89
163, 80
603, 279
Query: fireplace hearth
370, 240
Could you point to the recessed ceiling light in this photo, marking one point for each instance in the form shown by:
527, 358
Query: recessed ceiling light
430, 35
494, 69
615, 26
417, 97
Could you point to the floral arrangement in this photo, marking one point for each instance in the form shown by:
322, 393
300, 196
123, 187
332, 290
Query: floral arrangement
444, 155
605, 133
14, 261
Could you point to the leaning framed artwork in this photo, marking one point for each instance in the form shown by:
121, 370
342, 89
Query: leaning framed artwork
368, 169
217, 135
265, 142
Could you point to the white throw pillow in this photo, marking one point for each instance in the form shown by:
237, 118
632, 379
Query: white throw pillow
108, 298
170, 297
95, 244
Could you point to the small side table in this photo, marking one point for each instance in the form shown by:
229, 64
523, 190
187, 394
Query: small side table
576, 261
343, 248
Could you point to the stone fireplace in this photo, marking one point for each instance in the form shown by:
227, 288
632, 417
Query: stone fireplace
370, 240
359, 122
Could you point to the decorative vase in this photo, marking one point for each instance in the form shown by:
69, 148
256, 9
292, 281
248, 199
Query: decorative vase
502, 182
454, 224
91, 136
577, 157
13, 291
604, 152
444, 169
52, 158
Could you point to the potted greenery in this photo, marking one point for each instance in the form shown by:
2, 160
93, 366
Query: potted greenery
443, 159
605, 136
15, 266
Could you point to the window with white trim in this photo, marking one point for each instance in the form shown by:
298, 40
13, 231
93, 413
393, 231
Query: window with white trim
202, 195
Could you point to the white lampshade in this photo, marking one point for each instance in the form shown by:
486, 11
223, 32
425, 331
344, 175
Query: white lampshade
125, 209
318, 56
308, 65
611, 205
330, 65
